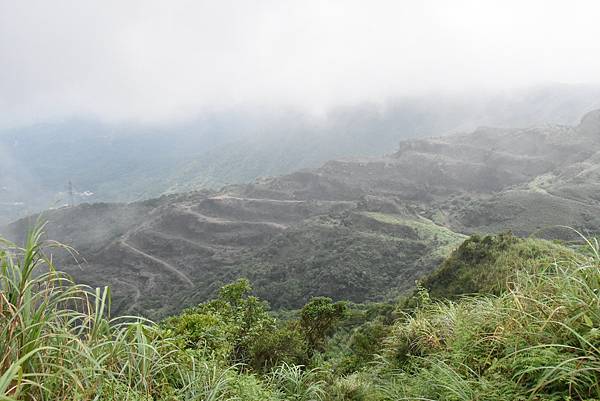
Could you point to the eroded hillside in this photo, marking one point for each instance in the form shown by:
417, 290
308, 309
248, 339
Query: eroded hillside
352, 229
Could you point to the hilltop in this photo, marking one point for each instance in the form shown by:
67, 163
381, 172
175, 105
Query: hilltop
132, 161
357, 229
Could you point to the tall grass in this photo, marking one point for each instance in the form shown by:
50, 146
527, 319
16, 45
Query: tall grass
57, 339
538, 339
297, 384
58, 342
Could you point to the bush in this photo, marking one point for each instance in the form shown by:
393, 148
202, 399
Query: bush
485, 264
294, 383
228, 327
538, 339
318, 319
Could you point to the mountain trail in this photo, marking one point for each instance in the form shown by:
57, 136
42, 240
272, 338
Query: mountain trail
225, 197
194, 244
216, 220
161, 262
136, 297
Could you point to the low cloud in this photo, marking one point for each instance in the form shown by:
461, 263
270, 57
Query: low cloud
163, 60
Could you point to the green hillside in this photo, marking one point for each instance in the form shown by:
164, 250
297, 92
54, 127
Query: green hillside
362, 230
487, 264
533, 338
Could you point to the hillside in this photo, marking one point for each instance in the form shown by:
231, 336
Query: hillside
536, 338
362, 229
132, 161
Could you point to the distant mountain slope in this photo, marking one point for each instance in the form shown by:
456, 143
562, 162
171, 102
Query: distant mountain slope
354, 229
109, 162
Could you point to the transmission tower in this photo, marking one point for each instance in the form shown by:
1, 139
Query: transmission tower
71, 194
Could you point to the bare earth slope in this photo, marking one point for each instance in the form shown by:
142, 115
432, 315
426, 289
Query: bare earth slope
355, 229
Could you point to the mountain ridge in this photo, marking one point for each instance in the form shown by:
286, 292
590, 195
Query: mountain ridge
132, 161
361, 229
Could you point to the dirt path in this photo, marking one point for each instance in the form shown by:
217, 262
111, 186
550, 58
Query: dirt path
172, 269
198, 245
223, 197
136, 297
215, 220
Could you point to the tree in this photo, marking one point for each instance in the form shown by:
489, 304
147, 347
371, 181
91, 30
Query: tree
233, 321
318, 319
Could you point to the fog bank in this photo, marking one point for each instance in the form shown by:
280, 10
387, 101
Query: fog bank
159, 61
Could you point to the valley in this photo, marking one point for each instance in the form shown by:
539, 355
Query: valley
299, 201
109, 161
359, 229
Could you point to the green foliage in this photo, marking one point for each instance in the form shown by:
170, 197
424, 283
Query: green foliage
248, 387
284, 344
207, 331
536, 337
295, 383
365, 342
354, 387
237, 328
57, 342
229, 327
318, 319
484, 264
357, 339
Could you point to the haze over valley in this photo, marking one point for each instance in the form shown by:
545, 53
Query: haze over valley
124, 162
316, 200
361, 229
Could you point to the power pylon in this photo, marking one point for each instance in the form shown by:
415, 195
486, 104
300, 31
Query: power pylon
71, 194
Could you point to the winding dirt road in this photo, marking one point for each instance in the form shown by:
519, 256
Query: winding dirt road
172, 269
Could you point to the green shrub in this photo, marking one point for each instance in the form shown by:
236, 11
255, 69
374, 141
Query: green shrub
537, 339
294, 383
354, 387
228, 327
485, 264
318, 319
284, 344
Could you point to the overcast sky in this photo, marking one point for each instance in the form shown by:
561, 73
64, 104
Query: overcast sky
157, 60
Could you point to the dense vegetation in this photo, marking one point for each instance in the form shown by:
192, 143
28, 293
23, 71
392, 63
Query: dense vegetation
529, 329
483, 264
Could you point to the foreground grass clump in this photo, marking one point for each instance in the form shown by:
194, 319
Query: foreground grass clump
58, 343
539, 339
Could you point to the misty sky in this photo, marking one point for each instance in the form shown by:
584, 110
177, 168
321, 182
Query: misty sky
159, 60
